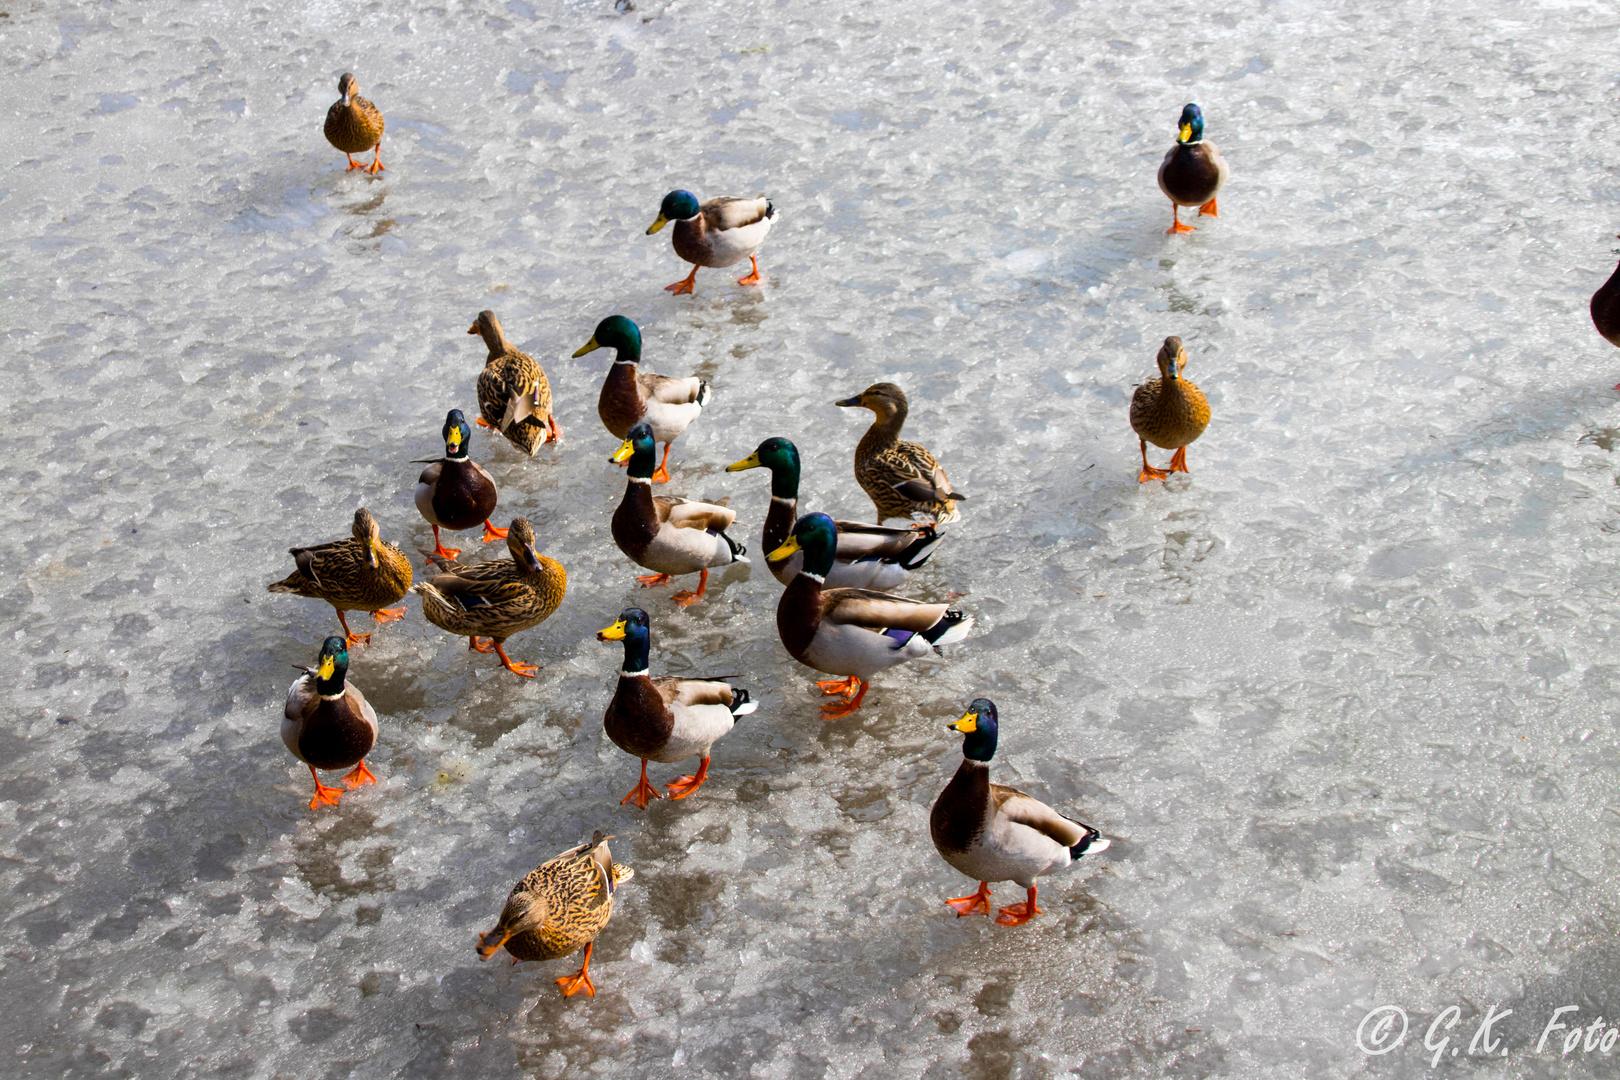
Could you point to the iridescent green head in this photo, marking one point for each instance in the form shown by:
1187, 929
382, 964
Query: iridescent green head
677, 206
618, 333
978, 726
638, 449
332, 667
1190, 128
817, 537
779, 456
457, 434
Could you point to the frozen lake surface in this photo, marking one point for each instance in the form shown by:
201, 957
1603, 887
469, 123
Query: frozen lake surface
1341, 697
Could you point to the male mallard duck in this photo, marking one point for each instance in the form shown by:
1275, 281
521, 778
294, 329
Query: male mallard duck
498, 598
901, 478
513, 393
358, 574
454, 492
630, 396
852, 632
992, 832
1606, 309
1168, 412
329, 725
354, 125
868, 556
561, 905
666, 534
717, 233
665, 719
1192, 171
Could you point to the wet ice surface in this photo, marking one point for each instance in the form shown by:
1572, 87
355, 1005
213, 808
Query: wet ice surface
1340, 697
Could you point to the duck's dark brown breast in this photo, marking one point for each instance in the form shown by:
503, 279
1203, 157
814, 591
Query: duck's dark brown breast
336, 736
635, 522
619, 404
689, 241
798, 615
1606, 308
464, 496
637, 719
779, 520
1191, 175
960, 812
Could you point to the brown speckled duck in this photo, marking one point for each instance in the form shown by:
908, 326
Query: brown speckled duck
901, 478
558, 908
328, 724
631, 396
354, 125
1168, 412
513, 393
454, 492
1192, 172
358, 574
717, 233
498, 598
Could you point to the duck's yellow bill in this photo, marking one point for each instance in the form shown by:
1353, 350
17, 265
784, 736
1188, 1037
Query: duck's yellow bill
749, 462
968, 723
659, 224
589, 346
328, 666
453, 440
473, 329
612, 633
1186, 132
787, 549
623, 453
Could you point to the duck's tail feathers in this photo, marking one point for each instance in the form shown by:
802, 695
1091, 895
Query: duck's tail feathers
739, 552
702, 394
927, 541
770, 211
740, 703
1092, 843
949, 630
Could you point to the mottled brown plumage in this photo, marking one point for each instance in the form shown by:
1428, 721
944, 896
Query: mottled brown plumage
358, 574
558, 908
901, 478
354, 125
513, 393
1169, 411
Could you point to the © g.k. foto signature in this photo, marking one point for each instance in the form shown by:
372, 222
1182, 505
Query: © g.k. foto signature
1385, 1028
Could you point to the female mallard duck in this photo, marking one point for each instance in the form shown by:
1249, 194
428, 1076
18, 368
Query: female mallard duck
498, 598
868, 556
513, 393
630, 396
1168, 412
852, 632
1192, 171
354, 125
992, 832
665, 719
454, 492
666, 534
717, 233
329, 725
560, 906
358, 574
901, 478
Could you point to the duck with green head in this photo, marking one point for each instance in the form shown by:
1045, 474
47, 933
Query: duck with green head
717, 233
631, 396
666, 534
1192, 172
454, 492
992, 832
664, 718
867, 556
328, 724
852, 632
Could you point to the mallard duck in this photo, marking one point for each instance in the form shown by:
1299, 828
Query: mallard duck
328, 724
901, 478
1168, 412
666, 534
454, 492
717, 233
498, 598
354, 125
852, 632
665, 719
992, 832
513, 393
358, 574
1192, 171
868, 556
630, 396
560, 906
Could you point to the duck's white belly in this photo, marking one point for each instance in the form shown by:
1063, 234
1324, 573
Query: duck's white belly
685, 551
1009, 851
668, 421
424, 503
842, 649
734, 245
697, 727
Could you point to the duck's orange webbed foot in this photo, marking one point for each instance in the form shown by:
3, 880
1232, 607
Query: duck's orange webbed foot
1018, 914
687, 599
359, 776
977, 904
353, 164
581, 979
847, 687
682, 786
350, 638
556, 432
753, 275
1177, 226
376, 165
324, 796
1178, 463
685, 284
834, 712
525, 670
492, 533
1150, 473
1209, 209
388, 615
647, 581
475, 646
643, 792
661, 474
439, 550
